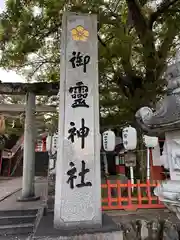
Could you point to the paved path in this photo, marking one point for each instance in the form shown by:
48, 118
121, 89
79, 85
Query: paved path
9, 187
10, 202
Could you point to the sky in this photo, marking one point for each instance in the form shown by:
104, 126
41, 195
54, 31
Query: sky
8, 76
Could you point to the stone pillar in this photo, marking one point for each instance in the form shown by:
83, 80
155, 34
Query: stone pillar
78, 177
28, 193
173, 153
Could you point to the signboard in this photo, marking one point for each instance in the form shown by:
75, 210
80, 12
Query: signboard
130, 159
78, 183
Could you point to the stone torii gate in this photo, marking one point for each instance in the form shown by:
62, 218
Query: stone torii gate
30, 90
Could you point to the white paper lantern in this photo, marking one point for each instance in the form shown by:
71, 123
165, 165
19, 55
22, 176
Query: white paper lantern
54, 143
129, 135
48, 143
150, 142
52, 140
109, 140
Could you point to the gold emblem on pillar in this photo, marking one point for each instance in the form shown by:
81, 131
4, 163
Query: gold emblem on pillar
79, 34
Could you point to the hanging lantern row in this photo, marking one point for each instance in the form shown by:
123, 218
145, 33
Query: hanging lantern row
129, 137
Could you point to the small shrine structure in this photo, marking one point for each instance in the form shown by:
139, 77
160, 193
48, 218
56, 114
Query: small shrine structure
31, 90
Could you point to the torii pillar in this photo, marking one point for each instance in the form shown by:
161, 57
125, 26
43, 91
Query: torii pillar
30, 90
28, 190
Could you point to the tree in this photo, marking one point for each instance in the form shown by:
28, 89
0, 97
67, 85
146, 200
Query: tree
136, 41
14, 121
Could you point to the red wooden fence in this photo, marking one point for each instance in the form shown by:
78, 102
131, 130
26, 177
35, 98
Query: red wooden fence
120, 195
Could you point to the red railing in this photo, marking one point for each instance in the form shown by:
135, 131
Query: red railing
41, 146
127, 196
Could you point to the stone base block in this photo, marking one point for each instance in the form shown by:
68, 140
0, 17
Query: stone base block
108, 231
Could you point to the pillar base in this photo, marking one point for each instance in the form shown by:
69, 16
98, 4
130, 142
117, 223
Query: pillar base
28, 199
109, 230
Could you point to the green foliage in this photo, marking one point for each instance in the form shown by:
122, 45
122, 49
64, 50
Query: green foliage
14, 126
136, 40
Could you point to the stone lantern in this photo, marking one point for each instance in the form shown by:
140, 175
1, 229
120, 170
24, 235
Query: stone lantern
166, 119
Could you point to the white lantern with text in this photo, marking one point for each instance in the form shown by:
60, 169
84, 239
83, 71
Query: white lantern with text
129, 136
51, 143
109, 140
54, 143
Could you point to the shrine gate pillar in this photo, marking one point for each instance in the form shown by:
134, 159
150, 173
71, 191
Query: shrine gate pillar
28, 192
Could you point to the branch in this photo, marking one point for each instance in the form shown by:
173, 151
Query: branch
125, 60
139, 20
116, 6
163, 7
35, 70
112, 11
145, 36
127, 67
101, 41
143, 2
108, 50
118, 78
165, 47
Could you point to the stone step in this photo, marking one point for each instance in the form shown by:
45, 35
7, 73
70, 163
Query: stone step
16, 229
11, 220
10, 213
